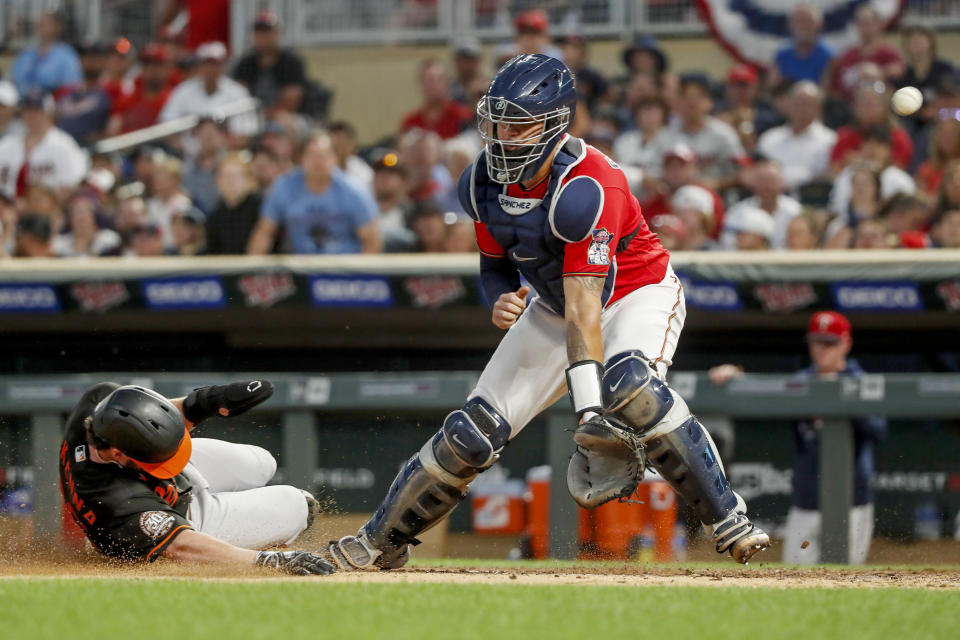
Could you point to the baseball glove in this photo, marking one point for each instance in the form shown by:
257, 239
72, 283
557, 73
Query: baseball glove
608, 463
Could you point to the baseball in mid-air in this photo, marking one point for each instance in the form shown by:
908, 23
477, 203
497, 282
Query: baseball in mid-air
906, 101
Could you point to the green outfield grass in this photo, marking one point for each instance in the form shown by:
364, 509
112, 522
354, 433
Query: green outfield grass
77, 609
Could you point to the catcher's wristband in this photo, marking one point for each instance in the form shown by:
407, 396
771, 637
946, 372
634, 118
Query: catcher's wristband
583, 383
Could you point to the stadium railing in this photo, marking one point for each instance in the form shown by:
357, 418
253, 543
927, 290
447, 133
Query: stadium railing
367, 22
304, 398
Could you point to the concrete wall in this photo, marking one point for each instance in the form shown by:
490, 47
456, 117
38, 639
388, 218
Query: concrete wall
376, 86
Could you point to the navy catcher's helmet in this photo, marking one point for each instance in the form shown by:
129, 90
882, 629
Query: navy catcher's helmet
528, 89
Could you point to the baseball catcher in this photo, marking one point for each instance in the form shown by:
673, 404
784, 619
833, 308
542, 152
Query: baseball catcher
603, 326
141, 487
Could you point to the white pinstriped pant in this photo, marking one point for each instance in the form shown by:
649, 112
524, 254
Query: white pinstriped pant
525, 375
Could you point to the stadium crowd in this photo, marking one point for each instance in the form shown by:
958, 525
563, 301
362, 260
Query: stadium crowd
803, 155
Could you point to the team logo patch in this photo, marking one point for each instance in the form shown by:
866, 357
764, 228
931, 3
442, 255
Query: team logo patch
156, 524
80, 453
599, 251
501, 105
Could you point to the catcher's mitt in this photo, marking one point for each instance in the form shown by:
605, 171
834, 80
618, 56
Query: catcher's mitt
608, 463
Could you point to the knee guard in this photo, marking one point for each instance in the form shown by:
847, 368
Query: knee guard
469, 442
676, 444
433, 481
632, 394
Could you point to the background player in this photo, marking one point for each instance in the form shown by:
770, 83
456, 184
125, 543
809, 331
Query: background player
829, 340
140, 487
560, 213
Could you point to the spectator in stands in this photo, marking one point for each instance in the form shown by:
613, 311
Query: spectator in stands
875, 156
120, 74
870, 110
752, 228
765, 180
592, 86
210, 90
829, 342
671, 230
168, 198
743, 109
147, 241
428, 222
49, 65
344, 138
640, 88
948, 196
715, 144
945, 230
907, 218
421, 153
532, 28
9, 101
210, 137
272, 73
282, 141
321, 210
870, 234
944, 148
84, 109
34, 236
804, 232
693, 206
645, 56
187, 231
8, 226
131, 214
806, 57
645, 146
85, 237
141, 106
461, 234
390, 191
864, 203
438, 113
846, 71
466, 70
923, 69
803, 145
229, 225
266, 167
40, 152
679, 169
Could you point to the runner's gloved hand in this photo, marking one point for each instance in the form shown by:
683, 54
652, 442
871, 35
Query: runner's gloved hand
298, 563
225, 400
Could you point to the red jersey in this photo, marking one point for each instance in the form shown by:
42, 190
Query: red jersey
454, 118
137, 111
849, 139
641, 262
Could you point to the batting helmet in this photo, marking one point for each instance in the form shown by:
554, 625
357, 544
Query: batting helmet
528, 89
145, 427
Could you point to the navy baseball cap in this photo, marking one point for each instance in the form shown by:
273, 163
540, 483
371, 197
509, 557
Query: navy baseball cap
38, 99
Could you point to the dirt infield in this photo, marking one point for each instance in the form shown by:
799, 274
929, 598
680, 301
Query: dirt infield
577, 574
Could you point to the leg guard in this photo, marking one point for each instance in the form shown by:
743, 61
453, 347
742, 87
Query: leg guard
430, 486
681, 451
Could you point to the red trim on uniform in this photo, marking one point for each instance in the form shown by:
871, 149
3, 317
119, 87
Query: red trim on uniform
167, 540
666, 335
584, 273
487, 245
